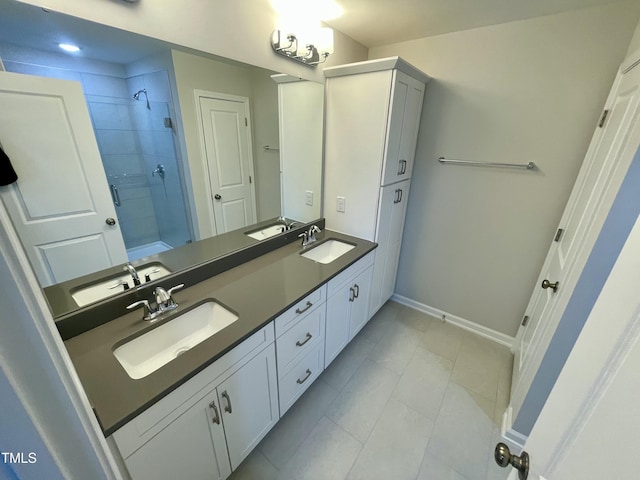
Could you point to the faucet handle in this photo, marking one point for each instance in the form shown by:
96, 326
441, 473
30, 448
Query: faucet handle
149, 312
173, 289
305, 238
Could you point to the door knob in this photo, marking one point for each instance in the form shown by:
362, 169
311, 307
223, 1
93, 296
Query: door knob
504, 458
547, 284
110, 221
217, 196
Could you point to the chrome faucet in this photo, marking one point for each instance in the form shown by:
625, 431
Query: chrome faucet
164, 303
133, 273
309, 236
164, 300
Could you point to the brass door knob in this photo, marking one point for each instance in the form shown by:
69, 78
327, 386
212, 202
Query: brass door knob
547, 284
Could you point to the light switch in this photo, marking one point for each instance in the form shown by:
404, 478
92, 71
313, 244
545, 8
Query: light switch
340, 204
308, 198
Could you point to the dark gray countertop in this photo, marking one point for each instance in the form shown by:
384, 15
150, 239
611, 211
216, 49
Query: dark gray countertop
175, 260
258, 291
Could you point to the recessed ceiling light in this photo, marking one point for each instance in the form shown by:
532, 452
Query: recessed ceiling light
67, 47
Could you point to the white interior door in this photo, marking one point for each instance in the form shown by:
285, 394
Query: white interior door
594, 403
608, 158
226, 133
60, 206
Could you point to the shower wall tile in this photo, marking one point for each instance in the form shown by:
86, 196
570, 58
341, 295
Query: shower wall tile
42, 71
122, 164
117, 142
140, 116
110, 116
104, 85
157, 84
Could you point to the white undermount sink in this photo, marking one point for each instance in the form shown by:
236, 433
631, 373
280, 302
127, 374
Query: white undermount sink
148, 352
113, 285
328, 251
267, 232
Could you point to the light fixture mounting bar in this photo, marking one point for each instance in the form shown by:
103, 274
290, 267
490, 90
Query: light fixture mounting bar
311, 58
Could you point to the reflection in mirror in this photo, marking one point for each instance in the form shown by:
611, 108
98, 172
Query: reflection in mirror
180, 145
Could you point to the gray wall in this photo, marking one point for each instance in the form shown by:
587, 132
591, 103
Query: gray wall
475, 238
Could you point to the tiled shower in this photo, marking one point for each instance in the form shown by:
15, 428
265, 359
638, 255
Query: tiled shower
139, 155
137, 145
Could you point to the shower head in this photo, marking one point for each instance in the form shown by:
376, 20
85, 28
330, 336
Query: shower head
136, 96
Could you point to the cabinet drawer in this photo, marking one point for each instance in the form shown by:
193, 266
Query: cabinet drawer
299, 310
299, 339
303, 374
336, 282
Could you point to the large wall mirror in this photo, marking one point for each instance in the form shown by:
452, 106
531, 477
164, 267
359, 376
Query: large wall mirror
189, 145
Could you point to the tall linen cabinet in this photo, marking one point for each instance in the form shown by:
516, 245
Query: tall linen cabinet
372, 116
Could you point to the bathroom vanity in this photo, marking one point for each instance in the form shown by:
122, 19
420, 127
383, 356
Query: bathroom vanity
291, 310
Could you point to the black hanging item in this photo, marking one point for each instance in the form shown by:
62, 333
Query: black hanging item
7, 173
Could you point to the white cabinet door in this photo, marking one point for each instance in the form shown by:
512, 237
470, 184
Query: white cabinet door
392, 209
192, 446
360, 305
249, 403
337, 323
402, 131
396, 228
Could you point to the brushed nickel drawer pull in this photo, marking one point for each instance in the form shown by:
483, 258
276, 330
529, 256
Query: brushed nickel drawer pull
299, 343
309, 305
216, 416
304, 379
228, 409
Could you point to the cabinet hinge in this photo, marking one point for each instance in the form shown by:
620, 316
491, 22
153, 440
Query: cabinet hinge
525, 321
603, 118
558, 235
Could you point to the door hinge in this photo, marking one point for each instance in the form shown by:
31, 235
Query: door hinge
246, 122
603, 118
525, 321
250, 179
558, 235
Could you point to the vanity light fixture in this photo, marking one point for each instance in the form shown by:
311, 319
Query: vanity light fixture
67, 47
311, 54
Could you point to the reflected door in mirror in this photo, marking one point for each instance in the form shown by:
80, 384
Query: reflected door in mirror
227, 138
61, 206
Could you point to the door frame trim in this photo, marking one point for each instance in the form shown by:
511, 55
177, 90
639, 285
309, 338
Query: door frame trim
198, 94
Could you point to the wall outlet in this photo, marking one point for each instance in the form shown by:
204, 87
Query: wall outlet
340, 204
308, 198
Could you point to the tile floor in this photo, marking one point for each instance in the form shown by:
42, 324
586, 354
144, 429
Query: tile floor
409, 398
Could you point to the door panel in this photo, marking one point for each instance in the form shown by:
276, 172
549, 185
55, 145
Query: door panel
229, 163
605, 165
61, 201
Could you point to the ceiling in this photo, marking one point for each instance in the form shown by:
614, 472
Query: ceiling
381, 22
370, 22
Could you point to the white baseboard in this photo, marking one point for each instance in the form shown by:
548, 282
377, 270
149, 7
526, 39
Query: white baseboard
481, 330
